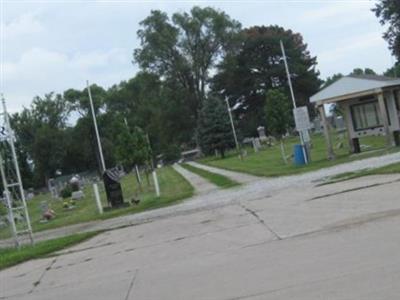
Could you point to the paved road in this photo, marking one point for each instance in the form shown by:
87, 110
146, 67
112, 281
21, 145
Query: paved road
337, 241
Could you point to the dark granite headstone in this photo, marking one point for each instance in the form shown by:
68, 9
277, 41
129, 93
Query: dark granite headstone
113, 188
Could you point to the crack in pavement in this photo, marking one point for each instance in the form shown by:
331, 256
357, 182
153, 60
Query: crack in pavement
37, 282
336, 227
352, 190
261, 221
131, 284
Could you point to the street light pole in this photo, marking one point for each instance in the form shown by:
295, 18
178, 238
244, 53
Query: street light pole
103, 165
233, 128
293, 99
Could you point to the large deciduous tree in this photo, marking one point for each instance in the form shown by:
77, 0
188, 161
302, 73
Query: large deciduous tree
388, 12
40, 132
257, 66
393, 71
185, 48
78, 100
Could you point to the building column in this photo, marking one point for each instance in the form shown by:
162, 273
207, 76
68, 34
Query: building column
330, 153
385, 119
347, 119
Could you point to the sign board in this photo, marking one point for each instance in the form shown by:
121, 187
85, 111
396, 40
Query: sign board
301, 118
3, 133
113, 188
306, 136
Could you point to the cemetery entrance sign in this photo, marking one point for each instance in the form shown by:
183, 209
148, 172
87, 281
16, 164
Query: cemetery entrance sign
301, 118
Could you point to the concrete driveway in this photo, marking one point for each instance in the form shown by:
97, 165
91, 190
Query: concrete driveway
336, 241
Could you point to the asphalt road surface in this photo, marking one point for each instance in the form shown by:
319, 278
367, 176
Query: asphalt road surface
338, 241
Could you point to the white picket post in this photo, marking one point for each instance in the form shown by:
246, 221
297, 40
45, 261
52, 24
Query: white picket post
156, 183
97, 198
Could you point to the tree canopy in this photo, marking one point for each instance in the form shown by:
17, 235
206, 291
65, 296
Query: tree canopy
256, 66
388, 12
185, 48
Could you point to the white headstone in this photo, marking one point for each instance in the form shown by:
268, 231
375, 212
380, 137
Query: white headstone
261, 133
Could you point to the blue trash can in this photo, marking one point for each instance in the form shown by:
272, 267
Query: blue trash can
298, 155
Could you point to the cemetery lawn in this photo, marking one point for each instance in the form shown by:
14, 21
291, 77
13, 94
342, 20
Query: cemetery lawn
173, 187
389, 169
12, 256
269, 162
217, 179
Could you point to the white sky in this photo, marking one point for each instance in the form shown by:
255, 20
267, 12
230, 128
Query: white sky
55, 45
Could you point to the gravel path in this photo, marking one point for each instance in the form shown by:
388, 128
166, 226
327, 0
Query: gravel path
236, 176
200, 185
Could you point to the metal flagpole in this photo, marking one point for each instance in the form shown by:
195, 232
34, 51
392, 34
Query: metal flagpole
293, 99
233, 128
103, 165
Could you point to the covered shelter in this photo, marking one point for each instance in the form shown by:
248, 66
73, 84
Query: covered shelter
370, 106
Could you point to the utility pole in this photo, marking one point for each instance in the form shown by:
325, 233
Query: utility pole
103, 164
293, 99
233, 128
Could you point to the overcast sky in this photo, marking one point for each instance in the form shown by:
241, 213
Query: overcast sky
54, 45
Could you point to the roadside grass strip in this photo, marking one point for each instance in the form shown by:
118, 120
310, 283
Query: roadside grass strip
13, 256
389, 169
217, 179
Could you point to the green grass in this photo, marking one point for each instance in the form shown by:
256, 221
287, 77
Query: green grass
269, 162
217, 179
13, 256
389, 169
173, 187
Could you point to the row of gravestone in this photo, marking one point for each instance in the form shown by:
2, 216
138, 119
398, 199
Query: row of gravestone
335, 121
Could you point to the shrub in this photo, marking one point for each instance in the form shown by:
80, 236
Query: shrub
66, 192
3, 209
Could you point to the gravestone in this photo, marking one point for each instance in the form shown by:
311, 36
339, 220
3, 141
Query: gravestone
261, 133
340, 125
317, 125
113, 188
77, 195
52, 188
256, 144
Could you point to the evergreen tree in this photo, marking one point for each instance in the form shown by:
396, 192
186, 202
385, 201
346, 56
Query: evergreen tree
214, 129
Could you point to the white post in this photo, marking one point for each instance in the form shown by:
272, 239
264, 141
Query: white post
293, 98
97, 198
103, 165
138, 174
156, 183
